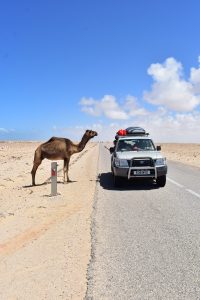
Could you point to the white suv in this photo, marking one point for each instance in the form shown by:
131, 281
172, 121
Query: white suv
135, 156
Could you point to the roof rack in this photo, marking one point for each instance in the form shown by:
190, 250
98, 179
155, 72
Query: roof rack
131, 131
138, 134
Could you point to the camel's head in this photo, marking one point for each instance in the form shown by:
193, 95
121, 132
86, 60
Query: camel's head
90, 133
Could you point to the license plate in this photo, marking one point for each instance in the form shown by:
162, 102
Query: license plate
141, 172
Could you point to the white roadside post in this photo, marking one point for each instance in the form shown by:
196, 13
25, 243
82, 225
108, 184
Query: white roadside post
53, 178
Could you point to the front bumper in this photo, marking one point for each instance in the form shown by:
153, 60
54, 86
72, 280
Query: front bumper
151, 172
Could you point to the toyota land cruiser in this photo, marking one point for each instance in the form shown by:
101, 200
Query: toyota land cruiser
135, 156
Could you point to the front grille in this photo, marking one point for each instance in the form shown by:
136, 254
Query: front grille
142, 162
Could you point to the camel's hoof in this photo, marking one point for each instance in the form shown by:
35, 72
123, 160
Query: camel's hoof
68, 181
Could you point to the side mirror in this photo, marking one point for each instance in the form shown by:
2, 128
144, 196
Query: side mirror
158, 148
112, 149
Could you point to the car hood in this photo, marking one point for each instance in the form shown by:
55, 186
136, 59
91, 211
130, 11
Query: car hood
137, 154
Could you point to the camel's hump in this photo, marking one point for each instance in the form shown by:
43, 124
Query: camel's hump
55, 138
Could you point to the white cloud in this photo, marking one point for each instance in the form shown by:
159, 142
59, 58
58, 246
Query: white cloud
87, 101
169, 127
107, 106
3, 130
176, 100
132, 107
170, 89
110, 108
162, 126
195, 79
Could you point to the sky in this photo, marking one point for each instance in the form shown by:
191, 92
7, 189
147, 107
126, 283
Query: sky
67, 66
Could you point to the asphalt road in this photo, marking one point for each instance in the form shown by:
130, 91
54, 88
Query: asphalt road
146, 240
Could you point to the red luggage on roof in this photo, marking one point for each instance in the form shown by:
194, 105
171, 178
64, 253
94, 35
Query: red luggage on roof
121, 132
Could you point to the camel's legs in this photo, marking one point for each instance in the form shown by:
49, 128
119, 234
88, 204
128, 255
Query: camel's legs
34, 169
36, 163
65, 170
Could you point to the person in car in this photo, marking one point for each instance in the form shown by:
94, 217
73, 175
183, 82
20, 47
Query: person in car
138, 145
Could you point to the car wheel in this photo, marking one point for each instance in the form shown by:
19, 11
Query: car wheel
161, 181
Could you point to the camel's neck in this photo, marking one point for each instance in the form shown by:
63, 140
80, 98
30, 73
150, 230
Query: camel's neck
79, 147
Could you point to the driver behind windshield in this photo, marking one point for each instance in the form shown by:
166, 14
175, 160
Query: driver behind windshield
134, 145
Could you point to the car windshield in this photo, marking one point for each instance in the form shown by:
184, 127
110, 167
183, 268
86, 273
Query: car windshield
135, 145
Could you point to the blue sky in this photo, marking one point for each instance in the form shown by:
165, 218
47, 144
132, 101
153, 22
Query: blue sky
67, 66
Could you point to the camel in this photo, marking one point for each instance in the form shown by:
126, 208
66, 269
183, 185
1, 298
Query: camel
58, 148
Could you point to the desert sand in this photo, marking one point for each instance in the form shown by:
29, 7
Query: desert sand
45, 242
185, 153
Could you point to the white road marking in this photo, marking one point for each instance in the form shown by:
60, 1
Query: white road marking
174, 182
182, 186
193, 193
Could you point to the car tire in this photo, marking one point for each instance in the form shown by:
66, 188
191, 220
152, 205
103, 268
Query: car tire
161, 181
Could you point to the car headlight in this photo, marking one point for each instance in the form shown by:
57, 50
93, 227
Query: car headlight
160, 161
121, 162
